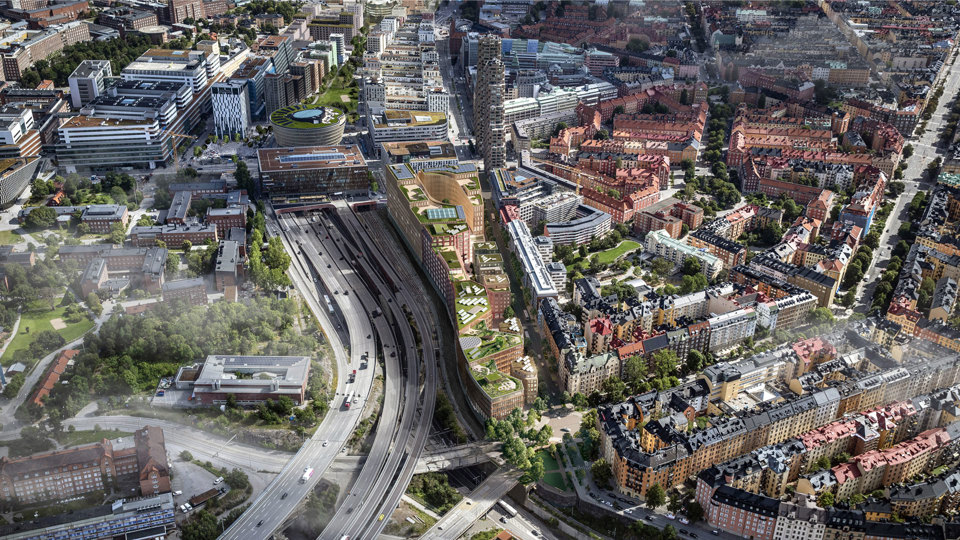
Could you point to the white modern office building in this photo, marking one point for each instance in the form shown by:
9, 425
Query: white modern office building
231, 108
194, 68
395, 126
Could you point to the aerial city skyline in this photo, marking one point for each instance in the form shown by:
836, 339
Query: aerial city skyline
479, 269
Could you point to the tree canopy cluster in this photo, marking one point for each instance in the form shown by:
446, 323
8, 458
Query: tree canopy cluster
519, 439
434, 489
120, 52
130, 354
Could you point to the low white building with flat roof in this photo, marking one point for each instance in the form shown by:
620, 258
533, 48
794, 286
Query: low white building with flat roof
536, 277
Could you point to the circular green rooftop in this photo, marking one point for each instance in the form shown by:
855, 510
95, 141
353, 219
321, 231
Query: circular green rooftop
308, 125
301, 116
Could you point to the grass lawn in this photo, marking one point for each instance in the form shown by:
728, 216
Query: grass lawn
76, 438
331, 98
9, 237
34, 320
549, 463
555, 479
613, 254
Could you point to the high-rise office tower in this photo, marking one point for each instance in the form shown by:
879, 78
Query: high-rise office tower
488, 103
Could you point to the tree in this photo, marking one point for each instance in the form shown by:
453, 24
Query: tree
172, 265
615, 389
695, 361
118, 233
635, 371
41, 218
13, 387
696, 282
825, 499
186, 246
93, 302
694, 511
508, 312
821, 315
186, 456
202, 526
691, 266
656, 496
661, 267
684, 97
540, 404
665, 362
602, 472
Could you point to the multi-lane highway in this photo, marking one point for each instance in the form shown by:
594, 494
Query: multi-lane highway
280, 499
405, 421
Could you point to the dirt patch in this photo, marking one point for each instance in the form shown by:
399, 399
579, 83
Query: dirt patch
400, 522
58, 324
345, 98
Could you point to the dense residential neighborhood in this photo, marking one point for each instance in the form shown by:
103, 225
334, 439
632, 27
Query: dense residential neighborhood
479, 269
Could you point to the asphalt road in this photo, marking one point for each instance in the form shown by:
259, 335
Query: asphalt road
323, 238
279, 500
459, 518
925, 150
404, 423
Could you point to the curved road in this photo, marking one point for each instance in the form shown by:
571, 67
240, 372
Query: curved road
281, 498
384, 476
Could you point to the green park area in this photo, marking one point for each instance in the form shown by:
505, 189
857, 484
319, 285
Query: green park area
552, 475
9, 237
555, 479
610, 255
36, 318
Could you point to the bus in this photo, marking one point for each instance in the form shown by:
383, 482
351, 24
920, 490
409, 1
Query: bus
507, 508
346, 402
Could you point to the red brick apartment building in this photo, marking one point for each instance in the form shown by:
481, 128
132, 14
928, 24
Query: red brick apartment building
83, 469
669, 215
193, 291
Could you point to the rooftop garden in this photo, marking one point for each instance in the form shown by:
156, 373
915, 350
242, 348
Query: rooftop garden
450, 256
492, 342
414, 193
422, 215
471, 304
303, 116
448, 228
492, 382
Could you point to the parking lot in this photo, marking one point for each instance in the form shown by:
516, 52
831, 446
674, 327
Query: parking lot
189, 479
171, 396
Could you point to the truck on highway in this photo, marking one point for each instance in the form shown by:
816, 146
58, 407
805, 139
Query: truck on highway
307, 473
507, 508
346, 402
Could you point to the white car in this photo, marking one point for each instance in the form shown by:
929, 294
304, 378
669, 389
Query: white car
178, 492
